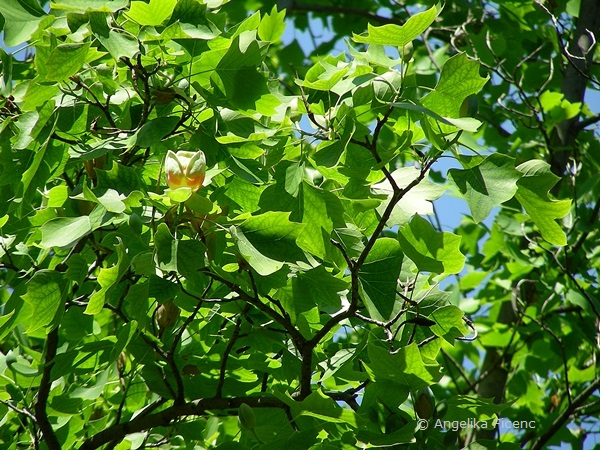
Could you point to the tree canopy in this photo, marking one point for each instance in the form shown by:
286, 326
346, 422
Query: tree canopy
217, 234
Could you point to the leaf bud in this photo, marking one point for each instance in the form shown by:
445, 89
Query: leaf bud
247, 417
424, 403
469, 106
406, 52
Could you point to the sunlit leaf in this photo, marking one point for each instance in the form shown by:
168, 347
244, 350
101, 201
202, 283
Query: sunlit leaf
430, 250
532, 193
399, 35
488, 184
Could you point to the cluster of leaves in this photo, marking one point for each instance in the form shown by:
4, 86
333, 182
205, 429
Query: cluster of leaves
299, 288
537, 305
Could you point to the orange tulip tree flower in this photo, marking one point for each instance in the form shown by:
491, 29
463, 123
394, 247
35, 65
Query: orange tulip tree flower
185, 169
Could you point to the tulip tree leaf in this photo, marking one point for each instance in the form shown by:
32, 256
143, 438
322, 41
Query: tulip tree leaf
272, 26
165, 249
321, 212
459, 79
174, 255
46, 292
263, 265
379, 278
21, 20
108, 277
64, 60
273, 236
64, 231
488, 184
398, 35
238, 74
430, 250
404, 367
320, 287
415, 201
532, 193
153, 13
464, 407
449, 323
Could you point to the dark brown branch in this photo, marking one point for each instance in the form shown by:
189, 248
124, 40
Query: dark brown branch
296, 336
368, 15
225, 358
42, 396
168, 415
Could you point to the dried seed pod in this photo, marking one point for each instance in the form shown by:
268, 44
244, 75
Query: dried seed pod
167, 314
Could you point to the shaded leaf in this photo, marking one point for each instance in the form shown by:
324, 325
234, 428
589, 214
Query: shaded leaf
46, 292
379, 278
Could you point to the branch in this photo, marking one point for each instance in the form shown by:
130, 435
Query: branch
44, 391
296, 336
168, 415
368, 15
232, 340
562, 418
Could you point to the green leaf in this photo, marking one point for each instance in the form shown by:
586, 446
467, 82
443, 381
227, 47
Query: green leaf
117, 43
323, 76
351, 240
268, 240
462, 407
90, 5
415, 201
107, 279
404, 367
263, 265
120, 178
272, 26
7, 68
64, 60
320, 288
325, 408
466, 123
154, 130
165, 249
244, 194
488, 184
399, 35
379, 278
153, 13
430, 250
449, 323
293, 178
46, 292
459, 79
190, 257
238, 74
532, 193
22, 18
64, 231
321, 212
